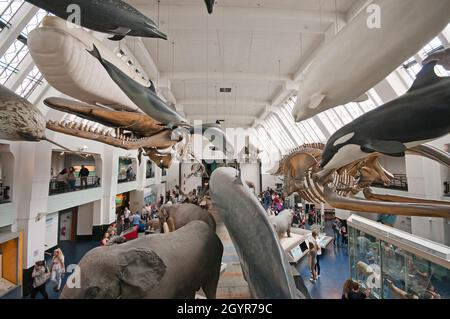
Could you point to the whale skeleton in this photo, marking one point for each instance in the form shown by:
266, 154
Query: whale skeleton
338, 188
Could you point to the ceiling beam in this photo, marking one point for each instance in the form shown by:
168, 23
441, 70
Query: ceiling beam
178, 11
220, 102
217, 76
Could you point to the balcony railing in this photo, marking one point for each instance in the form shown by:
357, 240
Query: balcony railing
4, 194
126, 179
400, 182
61, 187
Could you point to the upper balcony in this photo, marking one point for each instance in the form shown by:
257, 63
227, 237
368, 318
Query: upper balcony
71, 172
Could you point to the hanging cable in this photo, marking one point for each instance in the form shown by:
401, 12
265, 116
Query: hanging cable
207, 68
337, 20
157, 46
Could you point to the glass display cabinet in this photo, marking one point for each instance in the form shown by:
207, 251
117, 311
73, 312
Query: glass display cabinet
397, 265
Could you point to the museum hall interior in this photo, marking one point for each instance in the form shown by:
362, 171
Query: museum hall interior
224, 149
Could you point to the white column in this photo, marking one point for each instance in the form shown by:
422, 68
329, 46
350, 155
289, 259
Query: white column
425, 179
31, 184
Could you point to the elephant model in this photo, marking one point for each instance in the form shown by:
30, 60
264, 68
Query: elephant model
178, 215
282, 223
162, 266
154, 224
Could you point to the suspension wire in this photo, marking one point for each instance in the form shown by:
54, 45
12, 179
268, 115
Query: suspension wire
337, 20
157, 45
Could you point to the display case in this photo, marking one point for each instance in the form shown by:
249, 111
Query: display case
395, 264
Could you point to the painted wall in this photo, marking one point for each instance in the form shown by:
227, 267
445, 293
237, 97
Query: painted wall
251, 173
269, 181
85, 219
395, 165
188, 184
425, 179
51, 230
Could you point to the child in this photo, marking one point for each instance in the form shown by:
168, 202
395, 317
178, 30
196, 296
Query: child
312, 254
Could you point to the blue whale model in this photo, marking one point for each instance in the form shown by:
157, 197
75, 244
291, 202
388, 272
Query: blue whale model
145, 98
419, 116
108, 16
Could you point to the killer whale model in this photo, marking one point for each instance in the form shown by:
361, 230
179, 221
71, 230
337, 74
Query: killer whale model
146, 98
210, 5
264, 263
420, 115
114, 17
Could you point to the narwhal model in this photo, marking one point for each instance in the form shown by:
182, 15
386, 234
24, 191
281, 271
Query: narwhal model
114, 17
20, 120
419, 116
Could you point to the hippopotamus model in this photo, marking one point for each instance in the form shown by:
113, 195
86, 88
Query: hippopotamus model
162, 266
178, 215
282, 223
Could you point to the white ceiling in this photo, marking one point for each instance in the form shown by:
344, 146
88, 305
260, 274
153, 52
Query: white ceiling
255, 47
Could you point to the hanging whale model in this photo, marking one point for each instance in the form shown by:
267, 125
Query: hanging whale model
59, 51
264, 263
210, 5
419, 116
107, 16
146, 98
362, 54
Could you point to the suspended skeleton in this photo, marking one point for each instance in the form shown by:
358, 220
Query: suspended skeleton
302, 174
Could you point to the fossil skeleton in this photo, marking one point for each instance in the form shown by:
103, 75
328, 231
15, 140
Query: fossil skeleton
127, 130
303, 175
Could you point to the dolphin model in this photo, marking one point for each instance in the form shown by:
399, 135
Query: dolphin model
144, 97
20, 120
419, 116
114, 17
210, 5
264, 263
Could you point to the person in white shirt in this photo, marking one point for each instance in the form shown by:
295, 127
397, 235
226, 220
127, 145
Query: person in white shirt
315, 236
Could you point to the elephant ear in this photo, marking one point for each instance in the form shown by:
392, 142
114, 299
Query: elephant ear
141, 270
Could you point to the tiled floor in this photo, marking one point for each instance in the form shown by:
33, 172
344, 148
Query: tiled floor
73, 252
334, 266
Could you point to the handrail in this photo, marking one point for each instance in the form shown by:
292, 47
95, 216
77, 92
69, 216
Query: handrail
61, 187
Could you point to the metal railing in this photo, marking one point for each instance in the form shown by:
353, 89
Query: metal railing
61, 187
400, 182
123, 178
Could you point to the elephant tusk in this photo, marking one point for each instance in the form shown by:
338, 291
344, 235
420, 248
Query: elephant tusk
166, 228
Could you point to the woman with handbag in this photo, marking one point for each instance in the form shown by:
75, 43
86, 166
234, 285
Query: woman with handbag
40, 277
58, 268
